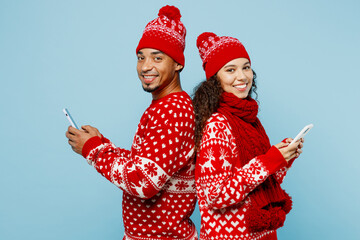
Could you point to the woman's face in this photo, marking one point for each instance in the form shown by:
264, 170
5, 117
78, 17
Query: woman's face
236, 77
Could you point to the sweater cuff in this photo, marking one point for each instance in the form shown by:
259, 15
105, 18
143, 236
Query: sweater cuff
104, 139
91, 144
273, 160
289, 164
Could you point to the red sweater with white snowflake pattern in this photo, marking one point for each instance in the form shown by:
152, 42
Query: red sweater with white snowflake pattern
223, 185
157, 174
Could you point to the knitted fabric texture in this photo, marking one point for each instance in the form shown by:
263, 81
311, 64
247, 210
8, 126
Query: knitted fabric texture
252, 141
216, 51
166, 33
157, 175
225, 180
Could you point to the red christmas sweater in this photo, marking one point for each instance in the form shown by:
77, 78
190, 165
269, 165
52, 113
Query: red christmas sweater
157, 174
223, 185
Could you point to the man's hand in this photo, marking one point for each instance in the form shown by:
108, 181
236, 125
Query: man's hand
77, 138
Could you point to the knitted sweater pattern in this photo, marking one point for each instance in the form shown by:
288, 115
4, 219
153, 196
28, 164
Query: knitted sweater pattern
157, 174
223, 184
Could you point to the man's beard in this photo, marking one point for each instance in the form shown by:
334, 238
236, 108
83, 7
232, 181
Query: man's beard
150, 90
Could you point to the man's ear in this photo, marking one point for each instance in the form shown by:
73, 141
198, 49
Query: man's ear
178, 67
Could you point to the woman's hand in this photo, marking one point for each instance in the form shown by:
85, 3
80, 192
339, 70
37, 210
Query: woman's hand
292, 151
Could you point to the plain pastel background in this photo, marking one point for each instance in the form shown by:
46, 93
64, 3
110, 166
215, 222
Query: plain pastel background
81, 55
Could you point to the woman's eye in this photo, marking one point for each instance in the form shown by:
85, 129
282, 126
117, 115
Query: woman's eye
247, 67
230, 70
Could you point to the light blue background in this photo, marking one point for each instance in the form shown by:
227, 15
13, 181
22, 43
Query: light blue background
81, 55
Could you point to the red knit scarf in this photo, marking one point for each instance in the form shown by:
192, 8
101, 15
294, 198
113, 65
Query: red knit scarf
270, 203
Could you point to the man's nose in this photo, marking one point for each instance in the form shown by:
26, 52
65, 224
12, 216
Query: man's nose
147, 65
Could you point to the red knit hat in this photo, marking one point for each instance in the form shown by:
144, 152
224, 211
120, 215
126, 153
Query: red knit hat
166, 33
216, 51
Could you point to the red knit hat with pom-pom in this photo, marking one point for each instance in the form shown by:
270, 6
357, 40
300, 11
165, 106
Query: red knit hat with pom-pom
216, 51
166, 33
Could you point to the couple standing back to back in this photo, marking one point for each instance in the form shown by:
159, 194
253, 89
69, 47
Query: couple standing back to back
238, 173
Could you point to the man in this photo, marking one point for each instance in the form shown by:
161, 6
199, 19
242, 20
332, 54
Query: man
157, 174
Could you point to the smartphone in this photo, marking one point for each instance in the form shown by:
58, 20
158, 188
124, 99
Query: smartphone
302, 133
71, 120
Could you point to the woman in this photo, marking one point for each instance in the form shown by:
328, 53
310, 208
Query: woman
238, 173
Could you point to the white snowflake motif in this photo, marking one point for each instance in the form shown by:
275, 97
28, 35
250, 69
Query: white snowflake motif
208, 164
212, 131
223, 157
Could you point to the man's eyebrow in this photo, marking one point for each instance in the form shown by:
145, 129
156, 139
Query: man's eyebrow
152, 53
156, 52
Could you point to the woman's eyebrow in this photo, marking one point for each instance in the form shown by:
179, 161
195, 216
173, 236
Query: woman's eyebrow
226, 66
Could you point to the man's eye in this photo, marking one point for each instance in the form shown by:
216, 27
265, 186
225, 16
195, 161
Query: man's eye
140, 58
158, 58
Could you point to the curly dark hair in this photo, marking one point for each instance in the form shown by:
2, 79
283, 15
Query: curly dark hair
206, 101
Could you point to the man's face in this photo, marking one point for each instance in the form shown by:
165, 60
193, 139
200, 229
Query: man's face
155, 69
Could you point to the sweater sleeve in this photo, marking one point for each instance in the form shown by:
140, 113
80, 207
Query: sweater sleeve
221, 182
160, 148
281, 173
